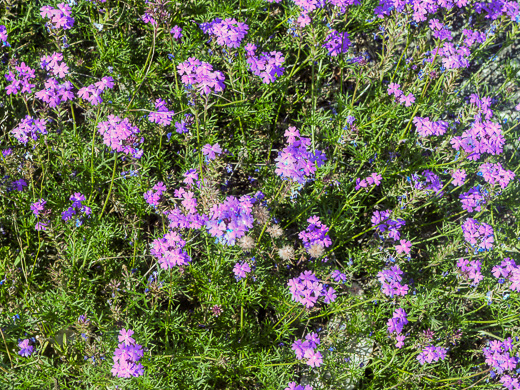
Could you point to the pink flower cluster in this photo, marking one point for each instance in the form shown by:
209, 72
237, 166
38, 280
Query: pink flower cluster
92, 93
471, 270
120, 135
153, 196
500, 357
77, 207
241, 270
211, 151
200, 75
126, 356
482, 137
439, 30
21, 80
295, 161
459, 177
427, 128
267, 66
293, 385
337, 43
496, 8
60, 17
231, 220
307, 350
163, 116
495, 174
407, 100
169, 250
431, 354
478, 234
38, 209
228, 32
29, 128
26, 349
508, 270
315, 234
381, 221
52, 64
391, 282
55, 93
473, 37
187, 217
3, 35
397, 322
473, 200
307, 288
373, 179
483, 105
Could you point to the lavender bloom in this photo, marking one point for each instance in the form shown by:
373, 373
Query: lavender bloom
77, 207
60, 17
183, 126
495, 174
391, 282
471, 270
482, 137
29, 128
373, 179
153, 196
3, 35
307, 288
307, 350
176, 32
162, 117
292, 385
474, 199
231, 220
25, 348
38, 207
228, 32
382, 223
241, 270
315, 234
169, 250
92, 93
337, 43
478, 234
52, 63
20, 81
426, 128
459, 177
338, 276
397, 322
508, 270
268, 66
211, 152
127, 356
201, 76
54, 93
120, 135
431, 354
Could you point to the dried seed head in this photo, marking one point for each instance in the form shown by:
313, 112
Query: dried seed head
286, 253
261, 214
275, 231
246, 243
316, 251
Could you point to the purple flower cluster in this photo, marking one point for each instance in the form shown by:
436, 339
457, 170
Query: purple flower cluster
60, 17
397, 322
29, 128
228, 32
495, 174
153, 196
241, 270
77, 207
295, 161
315, 234
407, 100
337, 43
431, 354
231, 220
55, 93
3, 35
508, 270
38, 207
474, 199
200, 75
176, 32
52, 64
381, 222
293, 385
500, 358
404, 247
459, 177
307, 350
21, 81
338, 276
478, 234
92, 93
127, 355
427, 128
26, 349
211, 152
169, 250
373, 179
473, 37
439, 30
431, 182
471, 270
183, 126
187, 217
482, 137
163, 116
267, 66
483, 105
496, 8
120, 135
391, 282
307, 288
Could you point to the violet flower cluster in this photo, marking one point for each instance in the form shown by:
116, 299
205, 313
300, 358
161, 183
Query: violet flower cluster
499, 356
431, 183
211, 151
267, 66
29, 128
55, 93
59, 17
382, 223
20, 81
471, 270
26, 349
241, 270
153, 196
336, 43
184, 125
496, 174
293, 385
482, 137
459, 177
121, 136
295, 161
478, 234
427, 128
3, 35
52, 64
397, 322
474, 199
127, 356
307, 350
400, 97
483, 105
162, 116
307, 288
201, 76
231, 220
169, 250
77, 207
431, 354
92, 93
315, 234
390, 280
373, 180
228, 32
508, 271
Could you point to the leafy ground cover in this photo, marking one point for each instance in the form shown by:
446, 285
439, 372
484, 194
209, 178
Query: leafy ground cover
239, 194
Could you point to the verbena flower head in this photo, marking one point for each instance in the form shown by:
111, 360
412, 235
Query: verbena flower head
38, 207
231, 220
382, 222
293, 385
337, 43
20, 82
26, 349
471, 270
427, 128
153, 196
307, 350
373, 180
496, 174
77, 207
241, 270
60, 17
228, 32
176, 32
127, 356
295, 161
55, 93
482, 137
169, 250
391, 282
120, 135
431, 354
29, 128
268, 66
474, 199
92, 93
315, 234
163, 116
52, 64
307, 288
201, 76
3, 35
459, 177
211, 151
397, 322
478, 234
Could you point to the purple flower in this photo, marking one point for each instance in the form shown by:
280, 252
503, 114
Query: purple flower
126, 356
404, 247
25, 349
120, 135
337, 43
241, 270
211, 151
20, 81
482, 137
338, 276
459, 176
231, 220
397, 322
495, 174
268, 66
60, 17
125, 336
478, 234
431, 354
38, 207
471, 270
307, 288
307, 350
315, 234
407, 100
228, 32
201, 76
29, 128
473, 200
163, 116
176, 32
426, 128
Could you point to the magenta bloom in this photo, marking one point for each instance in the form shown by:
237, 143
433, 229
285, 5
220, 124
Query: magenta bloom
163, 116
25, 349
125, 336
211, 152
404, 247
126, 356
201, 76
120, 135
38, 207
60, 17
29, 128
228, 32
337, 43
268, 66
459, 177
241, 270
